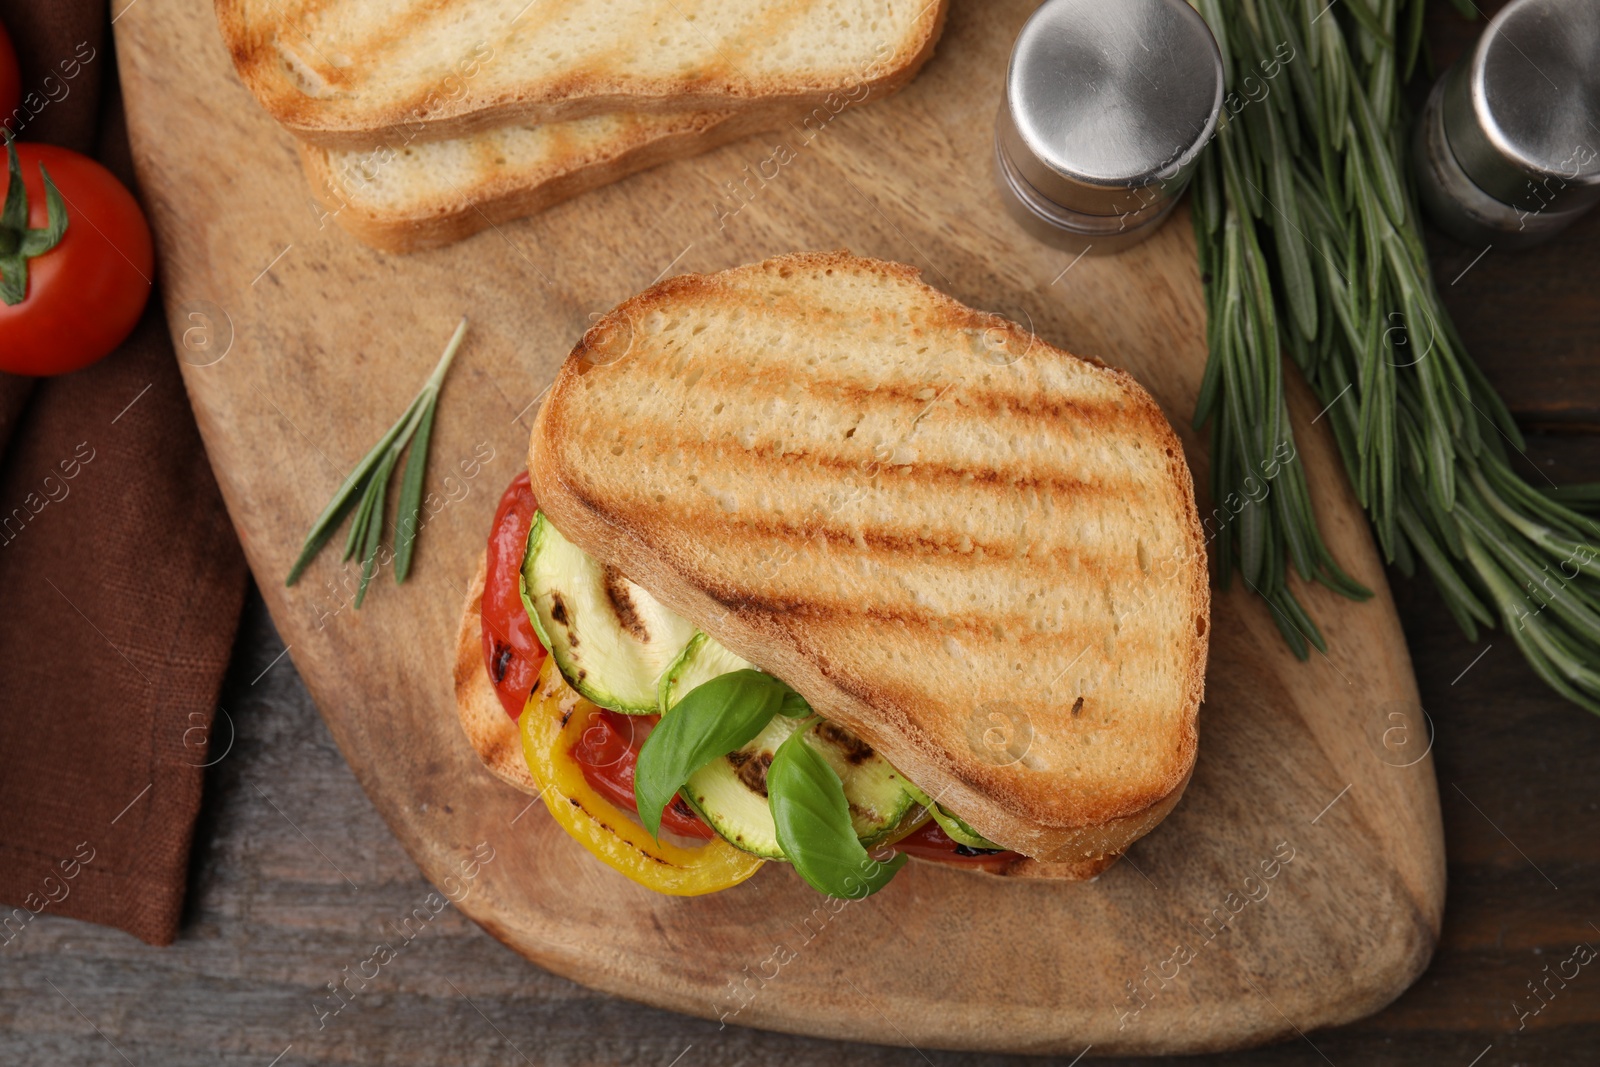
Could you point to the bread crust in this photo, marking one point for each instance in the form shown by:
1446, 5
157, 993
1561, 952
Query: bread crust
463, 212
339, 121
1023, 819
493, 735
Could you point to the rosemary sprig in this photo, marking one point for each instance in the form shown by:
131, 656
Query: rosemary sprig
365, 489
1304, 203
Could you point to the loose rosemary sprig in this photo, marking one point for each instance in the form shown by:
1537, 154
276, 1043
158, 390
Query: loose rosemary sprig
1254, 458
1310, 243
367, 486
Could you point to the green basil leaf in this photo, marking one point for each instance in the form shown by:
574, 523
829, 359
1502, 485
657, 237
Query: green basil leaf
794, 705
711, 720
813, 823
957, 830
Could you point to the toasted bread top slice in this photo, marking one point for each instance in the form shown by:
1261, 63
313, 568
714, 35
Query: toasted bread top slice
979, 553
344, 72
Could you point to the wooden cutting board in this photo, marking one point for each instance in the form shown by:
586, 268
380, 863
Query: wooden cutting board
300, 346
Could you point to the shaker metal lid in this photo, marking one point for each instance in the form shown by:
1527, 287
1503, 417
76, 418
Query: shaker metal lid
1523, 105
1104, 97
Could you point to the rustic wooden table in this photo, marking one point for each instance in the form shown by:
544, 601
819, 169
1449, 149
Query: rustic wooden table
294, 875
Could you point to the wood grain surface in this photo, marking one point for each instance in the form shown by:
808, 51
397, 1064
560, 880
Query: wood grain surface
270, 919
300, 346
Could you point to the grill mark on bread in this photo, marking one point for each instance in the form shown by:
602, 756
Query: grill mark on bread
712, 62
715, 65
928, 480
937, 475
373, 51
774, 20
1016, 625
399, 211
1045, 554
622, 605
989, 402
351, 119
1130, 587
532, 21
935, 623
367, 52
887, 544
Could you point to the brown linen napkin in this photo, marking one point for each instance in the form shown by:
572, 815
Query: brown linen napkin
120, 576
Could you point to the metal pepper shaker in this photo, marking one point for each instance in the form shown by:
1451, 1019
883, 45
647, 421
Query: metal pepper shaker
1507, 150
1107, 105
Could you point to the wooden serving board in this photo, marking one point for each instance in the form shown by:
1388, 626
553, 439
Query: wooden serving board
300, 346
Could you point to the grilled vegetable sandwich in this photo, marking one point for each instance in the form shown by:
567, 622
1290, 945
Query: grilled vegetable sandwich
814, 565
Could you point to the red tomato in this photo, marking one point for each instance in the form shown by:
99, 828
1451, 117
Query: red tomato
511, 650
608, 752
85, 294
10, 79
609, 749
930, 842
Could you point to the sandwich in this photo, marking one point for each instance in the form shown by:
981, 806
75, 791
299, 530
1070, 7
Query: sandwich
812, 565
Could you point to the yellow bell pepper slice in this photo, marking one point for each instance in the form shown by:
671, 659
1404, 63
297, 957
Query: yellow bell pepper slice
551, 724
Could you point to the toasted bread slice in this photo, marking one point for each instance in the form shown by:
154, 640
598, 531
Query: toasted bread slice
347, 73
425, 195
977, 552
494, 737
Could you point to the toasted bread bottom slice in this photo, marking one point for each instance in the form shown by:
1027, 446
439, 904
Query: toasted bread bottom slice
492, 733
413, 197
494, 736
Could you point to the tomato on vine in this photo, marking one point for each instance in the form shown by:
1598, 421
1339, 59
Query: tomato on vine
76, 261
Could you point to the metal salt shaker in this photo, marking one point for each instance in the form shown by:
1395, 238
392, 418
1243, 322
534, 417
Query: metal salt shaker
1507, 150
1107, 105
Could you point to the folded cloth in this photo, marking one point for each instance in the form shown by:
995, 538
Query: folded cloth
120, 574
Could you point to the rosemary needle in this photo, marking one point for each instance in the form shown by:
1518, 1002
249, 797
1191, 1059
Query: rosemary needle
366, 488
1310, 243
